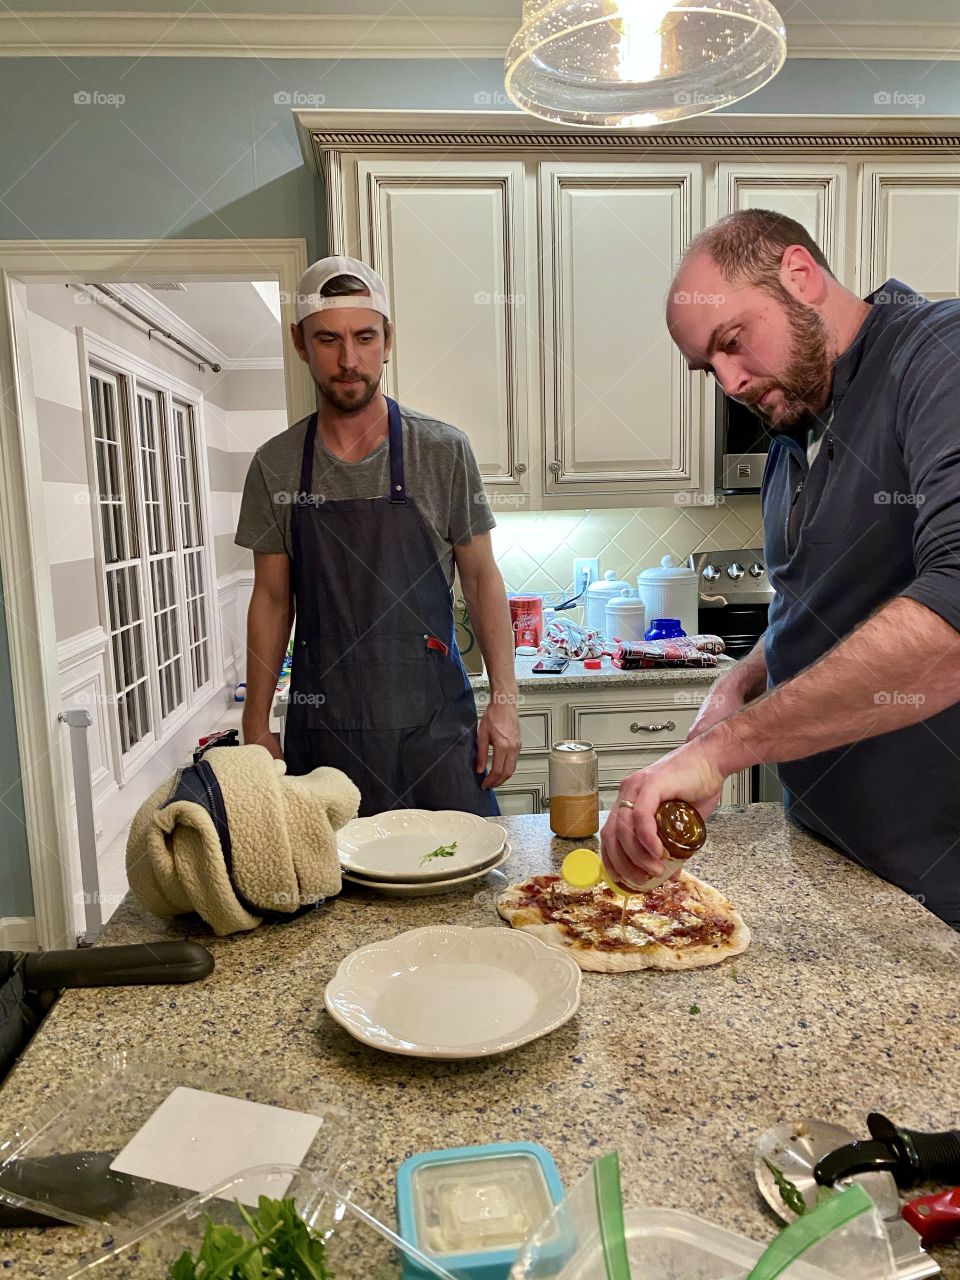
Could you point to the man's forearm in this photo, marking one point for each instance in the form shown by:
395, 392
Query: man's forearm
901, 666
486, 602
749, 676
268, 633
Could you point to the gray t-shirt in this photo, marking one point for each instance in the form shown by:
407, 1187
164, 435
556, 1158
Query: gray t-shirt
440, 473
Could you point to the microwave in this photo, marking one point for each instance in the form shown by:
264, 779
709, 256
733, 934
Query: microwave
742, 445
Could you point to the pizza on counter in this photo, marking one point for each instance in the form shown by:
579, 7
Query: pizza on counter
682, 924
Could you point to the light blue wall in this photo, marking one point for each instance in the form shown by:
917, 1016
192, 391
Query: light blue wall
200, 147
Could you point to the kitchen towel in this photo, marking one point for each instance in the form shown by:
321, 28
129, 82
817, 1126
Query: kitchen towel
234, 839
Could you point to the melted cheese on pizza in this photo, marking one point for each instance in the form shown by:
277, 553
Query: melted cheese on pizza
673, 915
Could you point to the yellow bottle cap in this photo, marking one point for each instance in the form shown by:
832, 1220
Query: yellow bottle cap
583, 869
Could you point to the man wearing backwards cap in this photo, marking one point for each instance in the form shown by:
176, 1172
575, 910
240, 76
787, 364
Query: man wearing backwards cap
357, 516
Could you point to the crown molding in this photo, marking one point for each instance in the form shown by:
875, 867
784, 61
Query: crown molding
204, 34
325, 133
253, 362
163, 318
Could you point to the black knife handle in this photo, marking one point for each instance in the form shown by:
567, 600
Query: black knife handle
924, 1157
137, 964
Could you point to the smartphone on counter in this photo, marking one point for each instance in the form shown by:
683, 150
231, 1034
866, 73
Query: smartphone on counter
550, 666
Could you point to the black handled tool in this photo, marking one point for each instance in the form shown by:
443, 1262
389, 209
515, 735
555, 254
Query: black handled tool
138, 964
910, 1156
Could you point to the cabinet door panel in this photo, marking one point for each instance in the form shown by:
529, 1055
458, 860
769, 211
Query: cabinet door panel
815, 195
622, 412
910, 227
448, 239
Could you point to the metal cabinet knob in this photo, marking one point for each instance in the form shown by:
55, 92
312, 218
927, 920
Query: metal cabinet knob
636, 727
519, 469
555, 467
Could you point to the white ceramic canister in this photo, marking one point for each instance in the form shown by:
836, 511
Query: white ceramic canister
671, 590
599, 594
626, 617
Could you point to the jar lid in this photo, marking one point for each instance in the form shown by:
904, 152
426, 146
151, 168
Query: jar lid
668, 570
628, 602
610, 586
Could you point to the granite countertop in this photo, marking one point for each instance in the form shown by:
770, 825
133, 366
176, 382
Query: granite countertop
848, 1000
609, 676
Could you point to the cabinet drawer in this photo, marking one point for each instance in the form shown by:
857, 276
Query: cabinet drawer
626, 725
536, 726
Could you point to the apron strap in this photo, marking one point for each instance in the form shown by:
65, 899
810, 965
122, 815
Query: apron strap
306, 464
398, 492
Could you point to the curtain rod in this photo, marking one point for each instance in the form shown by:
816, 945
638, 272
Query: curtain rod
202, 361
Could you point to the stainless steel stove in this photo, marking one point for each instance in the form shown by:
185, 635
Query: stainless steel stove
735, 594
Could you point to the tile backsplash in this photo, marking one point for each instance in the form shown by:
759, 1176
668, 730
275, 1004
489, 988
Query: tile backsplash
535, 550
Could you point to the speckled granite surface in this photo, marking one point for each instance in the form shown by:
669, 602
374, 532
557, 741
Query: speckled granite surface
609, 676
848, 1000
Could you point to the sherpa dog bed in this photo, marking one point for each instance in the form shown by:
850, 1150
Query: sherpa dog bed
233, 838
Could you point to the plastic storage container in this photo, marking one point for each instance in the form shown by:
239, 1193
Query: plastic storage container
599, 594
626, 617
59, 1163
471, 1208
354, 1242
671, 590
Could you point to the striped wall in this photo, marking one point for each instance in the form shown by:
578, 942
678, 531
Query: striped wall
241, 409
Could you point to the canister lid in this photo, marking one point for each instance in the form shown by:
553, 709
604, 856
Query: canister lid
668, 570
628, 602
611, 585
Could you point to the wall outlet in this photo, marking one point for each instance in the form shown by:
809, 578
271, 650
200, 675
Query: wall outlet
589, 565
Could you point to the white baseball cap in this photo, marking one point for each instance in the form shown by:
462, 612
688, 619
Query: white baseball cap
310, 299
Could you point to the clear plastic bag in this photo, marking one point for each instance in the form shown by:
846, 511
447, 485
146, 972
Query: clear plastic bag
582, 1239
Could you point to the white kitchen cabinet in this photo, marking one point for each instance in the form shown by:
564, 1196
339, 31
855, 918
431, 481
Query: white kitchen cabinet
813, 193
623, 414
449, 238
631, 727
910, 226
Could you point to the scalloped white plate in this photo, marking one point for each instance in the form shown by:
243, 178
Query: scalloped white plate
452, 992
392, 845
425, 888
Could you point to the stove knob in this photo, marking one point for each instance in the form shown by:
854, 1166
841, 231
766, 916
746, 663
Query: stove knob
711, 573
756, 569
735, 571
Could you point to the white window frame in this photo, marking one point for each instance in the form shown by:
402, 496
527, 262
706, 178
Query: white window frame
101, 356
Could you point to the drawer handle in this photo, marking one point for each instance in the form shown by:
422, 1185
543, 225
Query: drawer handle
636, 727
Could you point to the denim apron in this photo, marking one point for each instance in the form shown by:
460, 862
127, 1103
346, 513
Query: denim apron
378, 688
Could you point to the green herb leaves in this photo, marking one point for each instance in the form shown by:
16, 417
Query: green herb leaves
789, 1193
281, 1248
441, 851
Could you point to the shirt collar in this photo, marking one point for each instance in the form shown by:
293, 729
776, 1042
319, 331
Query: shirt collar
890, 300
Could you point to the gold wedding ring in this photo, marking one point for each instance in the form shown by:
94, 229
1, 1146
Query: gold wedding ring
626, 804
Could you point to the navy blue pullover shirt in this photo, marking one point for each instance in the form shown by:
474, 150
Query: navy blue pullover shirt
875, 516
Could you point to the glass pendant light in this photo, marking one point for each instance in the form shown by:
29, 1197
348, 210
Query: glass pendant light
632, 63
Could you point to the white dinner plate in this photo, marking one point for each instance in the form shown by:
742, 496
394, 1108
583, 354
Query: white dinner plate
393, 845
452, 992
425, 888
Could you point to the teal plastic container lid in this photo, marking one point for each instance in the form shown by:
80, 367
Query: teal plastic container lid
471, 1208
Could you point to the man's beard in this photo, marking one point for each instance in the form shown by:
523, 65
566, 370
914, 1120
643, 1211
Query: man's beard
805, 385
352, 401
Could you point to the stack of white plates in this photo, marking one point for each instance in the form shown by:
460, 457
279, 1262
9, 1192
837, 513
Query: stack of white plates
391, 852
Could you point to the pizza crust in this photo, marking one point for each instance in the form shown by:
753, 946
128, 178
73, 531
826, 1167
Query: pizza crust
653, 955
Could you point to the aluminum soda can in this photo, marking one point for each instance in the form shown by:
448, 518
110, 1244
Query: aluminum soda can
574, 790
